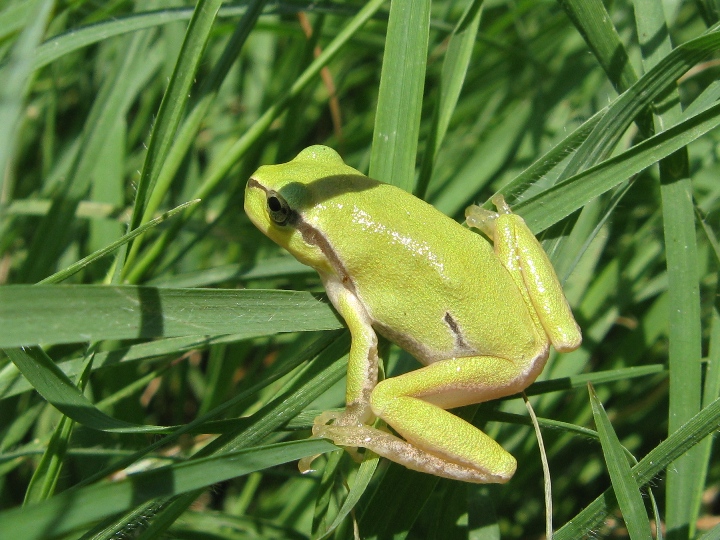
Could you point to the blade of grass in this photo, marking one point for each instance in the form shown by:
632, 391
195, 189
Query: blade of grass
173, 102
13, 383
559, 201
683, 483
711, 391
626, 489
402, 81
77, 38
74, 268
640, 96
187, 132
452, 77
357, 490
44, 480
31, 314
691, 433
595, 24
16, 75
58, 390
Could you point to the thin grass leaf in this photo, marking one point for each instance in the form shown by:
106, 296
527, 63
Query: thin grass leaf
85, 261
559, 201
187, 132
684, 486
626, 490
596, 26
640, 95
711, 391
13, 383
357, 490
60, 391
452, 77
45, 479
326, 487
597, 377
173, 103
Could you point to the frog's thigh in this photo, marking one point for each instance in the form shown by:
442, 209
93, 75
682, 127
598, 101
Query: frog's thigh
411, 404
521, 253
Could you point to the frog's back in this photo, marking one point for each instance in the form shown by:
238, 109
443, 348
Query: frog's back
427, 279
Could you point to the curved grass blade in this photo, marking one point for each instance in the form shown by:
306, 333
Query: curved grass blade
82, 263
638, 97
57, 389
562, 199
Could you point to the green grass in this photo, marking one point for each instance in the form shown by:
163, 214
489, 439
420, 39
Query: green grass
162, 379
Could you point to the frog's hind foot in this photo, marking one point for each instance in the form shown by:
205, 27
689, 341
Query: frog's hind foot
484, 220
400, 451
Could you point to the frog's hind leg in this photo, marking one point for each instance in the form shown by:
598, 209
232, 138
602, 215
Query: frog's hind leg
436, 441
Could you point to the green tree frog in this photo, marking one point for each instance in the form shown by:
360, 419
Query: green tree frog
479, 317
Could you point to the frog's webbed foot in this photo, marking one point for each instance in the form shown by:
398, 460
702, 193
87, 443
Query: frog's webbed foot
329, 423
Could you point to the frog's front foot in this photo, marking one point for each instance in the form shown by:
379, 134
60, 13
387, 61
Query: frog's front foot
339, 427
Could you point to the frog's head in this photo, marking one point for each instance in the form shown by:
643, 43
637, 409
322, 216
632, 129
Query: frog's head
279, 200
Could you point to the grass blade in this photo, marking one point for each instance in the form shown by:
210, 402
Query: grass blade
626, 490
16, 75
173, 103
93, 313
402, 81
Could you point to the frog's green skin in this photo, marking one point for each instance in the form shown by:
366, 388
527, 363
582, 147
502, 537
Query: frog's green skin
479, 318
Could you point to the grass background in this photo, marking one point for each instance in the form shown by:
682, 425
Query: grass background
161, 380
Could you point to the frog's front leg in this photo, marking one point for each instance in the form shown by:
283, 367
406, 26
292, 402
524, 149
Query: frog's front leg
362, 371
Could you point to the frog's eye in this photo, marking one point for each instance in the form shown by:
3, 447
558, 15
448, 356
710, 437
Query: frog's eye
278, 208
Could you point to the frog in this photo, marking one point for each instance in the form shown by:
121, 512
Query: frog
479, 311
